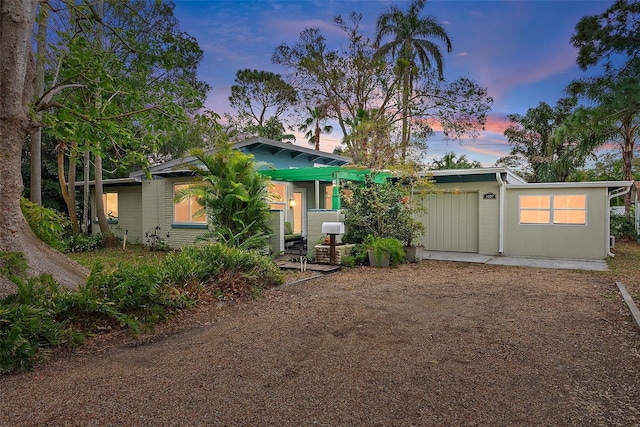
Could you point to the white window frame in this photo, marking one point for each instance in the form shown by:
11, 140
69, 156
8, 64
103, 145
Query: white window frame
190, 200
552, 210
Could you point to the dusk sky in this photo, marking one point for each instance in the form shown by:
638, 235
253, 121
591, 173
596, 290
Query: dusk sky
519, 50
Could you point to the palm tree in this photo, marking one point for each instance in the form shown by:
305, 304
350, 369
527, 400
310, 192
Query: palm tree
312, 125
453, 161
411, 46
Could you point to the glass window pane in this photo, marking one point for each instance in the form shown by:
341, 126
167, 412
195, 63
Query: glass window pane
181, 211
535, 217
535, 202
570, 202
570, 217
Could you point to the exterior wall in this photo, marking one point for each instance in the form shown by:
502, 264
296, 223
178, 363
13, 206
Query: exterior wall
315, 218
129, 215
276, 241
558, 241
157, 203
488, 213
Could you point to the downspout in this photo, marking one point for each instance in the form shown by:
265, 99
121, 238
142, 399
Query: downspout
501, 214
612, 194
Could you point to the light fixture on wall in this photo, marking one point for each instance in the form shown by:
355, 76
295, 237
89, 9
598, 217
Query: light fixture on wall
292, 203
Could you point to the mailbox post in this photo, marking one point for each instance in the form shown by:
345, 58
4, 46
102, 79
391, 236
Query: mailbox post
332, 229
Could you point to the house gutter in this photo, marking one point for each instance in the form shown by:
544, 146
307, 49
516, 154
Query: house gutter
501, 214
620, 191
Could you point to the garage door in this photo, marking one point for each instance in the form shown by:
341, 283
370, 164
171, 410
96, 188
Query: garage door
451, 222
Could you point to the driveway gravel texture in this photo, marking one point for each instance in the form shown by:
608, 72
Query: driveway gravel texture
429, 344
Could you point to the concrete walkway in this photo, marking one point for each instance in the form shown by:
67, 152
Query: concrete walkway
567, 264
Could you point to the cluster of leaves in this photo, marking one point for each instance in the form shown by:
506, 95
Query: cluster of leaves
43, 314
624, 226
234, 197
50, 226
380, 210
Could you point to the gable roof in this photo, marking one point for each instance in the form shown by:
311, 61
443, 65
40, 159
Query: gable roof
255, 146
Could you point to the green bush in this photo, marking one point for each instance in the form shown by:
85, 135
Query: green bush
380, 210
623, 226
386, 244
83, 243
50, 226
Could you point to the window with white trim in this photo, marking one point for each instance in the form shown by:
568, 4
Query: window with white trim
187, 210
558, 209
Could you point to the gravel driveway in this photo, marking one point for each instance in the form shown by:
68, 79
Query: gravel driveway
431, 344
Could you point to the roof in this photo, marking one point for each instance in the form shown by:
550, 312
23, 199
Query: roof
474, 175
253, 146
581, 184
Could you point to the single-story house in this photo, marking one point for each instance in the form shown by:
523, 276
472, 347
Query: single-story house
489, 211
143, 205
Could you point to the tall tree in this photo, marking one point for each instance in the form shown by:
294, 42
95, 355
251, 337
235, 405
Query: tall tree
121, 84
313, 127
260, 98
540, 138
17, 74
610, 40
357, 86
412, 48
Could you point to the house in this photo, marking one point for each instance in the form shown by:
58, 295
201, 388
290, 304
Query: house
489, 211
492, 211
144, 205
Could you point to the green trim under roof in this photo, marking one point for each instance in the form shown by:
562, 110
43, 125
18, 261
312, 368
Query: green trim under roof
325, 174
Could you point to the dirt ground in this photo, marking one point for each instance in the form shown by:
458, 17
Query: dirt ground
427, 344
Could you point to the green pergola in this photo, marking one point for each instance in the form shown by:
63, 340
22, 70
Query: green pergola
333, 174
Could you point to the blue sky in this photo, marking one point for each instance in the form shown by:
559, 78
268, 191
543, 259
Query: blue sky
519, 50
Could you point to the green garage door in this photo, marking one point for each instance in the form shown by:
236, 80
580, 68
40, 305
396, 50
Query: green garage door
451, 222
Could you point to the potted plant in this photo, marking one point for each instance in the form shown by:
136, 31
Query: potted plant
384, 251
410, 231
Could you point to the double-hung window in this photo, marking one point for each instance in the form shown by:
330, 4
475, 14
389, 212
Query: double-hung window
110, 203
558, 209
187, 210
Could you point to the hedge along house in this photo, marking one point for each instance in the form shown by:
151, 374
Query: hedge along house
492, 211
144, 205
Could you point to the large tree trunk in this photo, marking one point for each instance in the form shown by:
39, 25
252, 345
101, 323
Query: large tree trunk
108, 238
16, 85
68, 187
85, 193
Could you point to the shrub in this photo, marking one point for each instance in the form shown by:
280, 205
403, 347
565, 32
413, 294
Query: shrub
50, 226
380, 210
386, 244
82, 243
623, 226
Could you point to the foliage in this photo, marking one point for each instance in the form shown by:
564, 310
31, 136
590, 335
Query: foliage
380, 245
312, 125
547, 140
50, 226
155, 241
380, 210
411, 45
235, 196
610, 39
260, 98
355, 81
453, 161
132, 295
83, 243
624, 226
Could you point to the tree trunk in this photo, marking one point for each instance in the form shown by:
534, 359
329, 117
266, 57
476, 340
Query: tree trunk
36, 135
85, 193
16, 85
67, 187
628, 143
108, 238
